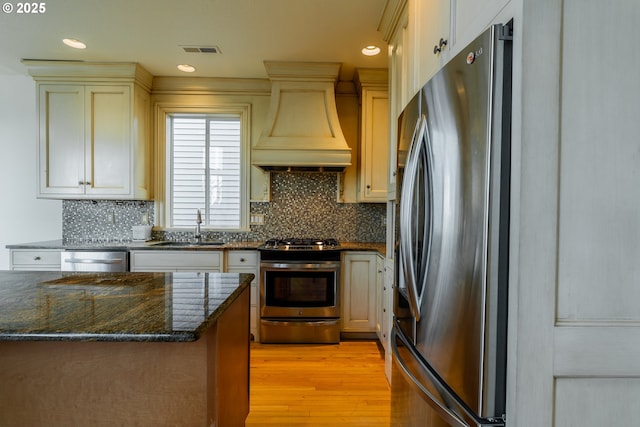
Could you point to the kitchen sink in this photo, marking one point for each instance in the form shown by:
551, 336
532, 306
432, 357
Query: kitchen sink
190, 244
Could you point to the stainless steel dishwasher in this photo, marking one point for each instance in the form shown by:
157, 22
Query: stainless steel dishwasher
97, 261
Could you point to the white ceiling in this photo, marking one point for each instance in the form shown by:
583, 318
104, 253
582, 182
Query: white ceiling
152, 32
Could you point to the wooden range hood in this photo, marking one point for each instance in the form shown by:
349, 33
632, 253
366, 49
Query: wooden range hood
302, 129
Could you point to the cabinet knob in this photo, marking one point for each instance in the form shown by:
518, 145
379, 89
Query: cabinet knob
438, 48
36, 258
242, 260
368, 187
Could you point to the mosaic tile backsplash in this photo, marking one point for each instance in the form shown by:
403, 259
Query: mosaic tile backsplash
302, 205
98, 221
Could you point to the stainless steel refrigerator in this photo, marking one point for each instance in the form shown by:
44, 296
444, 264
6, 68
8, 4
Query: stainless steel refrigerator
450, 306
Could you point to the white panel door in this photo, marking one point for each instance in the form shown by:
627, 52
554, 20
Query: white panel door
575, 327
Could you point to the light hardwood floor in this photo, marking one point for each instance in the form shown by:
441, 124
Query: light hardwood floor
318, 385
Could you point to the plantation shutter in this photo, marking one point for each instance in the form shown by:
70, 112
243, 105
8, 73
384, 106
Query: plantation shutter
206, 171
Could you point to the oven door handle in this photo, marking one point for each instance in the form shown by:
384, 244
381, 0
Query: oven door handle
301, 266
303, 322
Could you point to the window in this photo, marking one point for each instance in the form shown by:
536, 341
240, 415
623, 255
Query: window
206, 171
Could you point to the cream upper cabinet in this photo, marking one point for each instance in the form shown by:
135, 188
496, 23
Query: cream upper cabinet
424, 34
431, 37
94, 139
374, 135
397, 97
472, 17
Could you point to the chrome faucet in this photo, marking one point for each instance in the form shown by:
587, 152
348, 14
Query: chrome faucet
197, 235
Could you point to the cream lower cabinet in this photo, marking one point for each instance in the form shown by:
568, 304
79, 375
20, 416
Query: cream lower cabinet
35, 259
248, 262
239, 261
386, 314
360, 281
172, 261
384, 282
93, 131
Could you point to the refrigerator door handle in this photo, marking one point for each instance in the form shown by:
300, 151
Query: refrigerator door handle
406, 239
442, 408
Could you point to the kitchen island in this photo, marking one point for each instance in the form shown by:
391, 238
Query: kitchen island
144, 349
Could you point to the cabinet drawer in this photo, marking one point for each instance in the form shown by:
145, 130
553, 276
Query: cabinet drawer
176, 260
243, 259
35, 258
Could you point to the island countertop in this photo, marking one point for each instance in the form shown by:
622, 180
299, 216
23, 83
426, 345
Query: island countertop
148, 307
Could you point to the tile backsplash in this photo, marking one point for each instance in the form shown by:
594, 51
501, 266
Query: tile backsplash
302, 205
103, 220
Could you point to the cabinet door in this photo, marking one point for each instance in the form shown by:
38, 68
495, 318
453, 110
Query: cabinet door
108, 140
433, 24
380, 306
472, 17
397, 97
175, 260
248, 262
375, 146
359, 279
61, 139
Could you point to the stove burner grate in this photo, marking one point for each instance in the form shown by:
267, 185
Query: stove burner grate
301, 244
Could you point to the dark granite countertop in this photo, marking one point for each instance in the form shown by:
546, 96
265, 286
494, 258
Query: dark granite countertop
54, 306
161, 245
130, 245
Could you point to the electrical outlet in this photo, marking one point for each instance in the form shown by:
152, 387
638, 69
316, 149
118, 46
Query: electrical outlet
257, 219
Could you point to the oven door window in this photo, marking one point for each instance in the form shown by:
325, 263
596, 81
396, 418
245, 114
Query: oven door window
300, 289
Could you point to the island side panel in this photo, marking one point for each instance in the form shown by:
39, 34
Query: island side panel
103, 383
232, 363
200, 383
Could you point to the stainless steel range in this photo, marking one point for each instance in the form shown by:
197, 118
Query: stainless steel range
300, 291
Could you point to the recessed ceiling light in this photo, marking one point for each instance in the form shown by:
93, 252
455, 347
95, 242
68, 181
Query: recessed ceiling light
371, 50
76, 44
186, 68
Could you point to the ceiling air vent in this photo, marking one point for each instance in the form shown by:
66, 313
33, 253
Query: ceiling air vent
201, 49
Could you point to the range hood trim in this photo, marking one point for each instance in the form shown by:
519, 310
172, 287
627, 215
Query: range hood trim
302, 129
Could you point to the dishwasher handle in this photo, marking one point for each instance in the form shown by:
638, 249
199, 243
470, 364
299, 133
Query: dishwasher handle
93, 261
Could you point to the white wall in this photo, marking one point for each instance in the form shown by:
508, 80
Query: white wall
23, 218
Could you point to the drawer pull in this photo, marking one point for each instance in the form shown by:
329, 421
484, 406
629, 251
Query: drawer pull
36, 258
242, 260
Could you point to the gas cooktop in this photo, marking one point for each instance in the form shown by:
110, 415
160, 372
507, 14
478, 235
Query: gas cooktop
302, 244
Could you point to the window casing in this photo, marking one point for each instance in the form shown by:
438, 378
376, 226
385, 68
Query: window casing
207, 165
